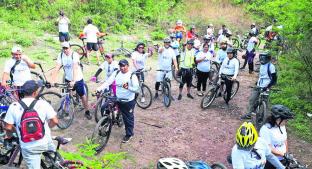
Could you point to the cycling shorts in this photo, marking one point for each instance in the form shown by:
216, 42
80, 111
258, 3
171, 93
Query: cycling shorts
79, 87
179, 35
92, 46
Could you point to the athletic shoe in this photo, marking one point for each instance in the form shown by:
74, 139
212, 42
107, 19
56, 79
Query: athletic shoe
200, 94
190, 96
88, 115
126, 139
179, 97
245, 116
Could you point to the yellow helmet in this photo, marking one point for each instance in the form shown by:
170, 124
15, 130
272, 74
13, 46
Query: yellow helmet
246, 135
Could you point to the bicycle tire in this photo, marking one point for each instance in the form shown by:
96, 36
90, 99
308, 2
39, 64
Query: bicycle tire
194, 78
81, 52
97, 111
52, 98
119, 120
36, 76
208, 98
166, 94
102, 131
261, 114
72, 164
235, 88
66, 114
218, 166
51, 162
147, 93
174, 74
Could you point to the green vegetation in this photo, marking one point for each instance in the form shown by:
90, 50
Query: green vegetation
295, 66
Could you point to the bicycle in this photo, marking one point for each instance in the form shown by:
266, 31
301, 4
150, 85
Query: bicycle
165, 88
122, 51
41, 77
144, 98
109, 116
292, 163
213, 92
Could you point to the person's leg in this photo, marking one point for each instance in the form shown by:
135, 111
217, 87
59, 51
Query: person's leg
228, 85
82, 92
251, 56
251, 103
199, 80
205, 78
61, 37
66, 36
96, 49
245, 61
89, 50
127, 111
183, 81
32, 156
189, 84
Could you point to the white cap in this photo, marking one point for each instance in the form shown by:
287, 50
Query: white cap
65, 45
179, 22
16, 49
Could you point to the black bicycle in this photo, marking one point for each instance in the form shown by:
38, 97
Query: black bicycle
166, 88
144, 98
292, 163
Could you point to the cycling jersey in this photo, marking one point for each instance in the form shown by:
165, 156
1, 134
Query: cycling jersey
210, 31
274, 137
91, 32
68, 62
21, 71
203, 66
179, 29
187, 59
140, 59
190, 35
109, 68
229, 67
264, 77
251, 43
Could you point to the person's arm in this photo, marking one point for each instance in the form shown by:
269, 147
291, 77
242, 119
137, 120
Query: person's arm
9, 119
29, 62
53, 122
274, 161
134, 87
275, 151
273, 76
108, 82
5, 78
133, 58
222, 67
56, 69
236, 70
237, 160
199, 58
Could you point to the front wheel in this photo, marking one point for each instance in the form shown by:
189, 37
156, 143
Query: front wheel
102, 132
167, 94
36, 76
66, 113
261, 114
81, 52
144, 97
235, 88
208, 98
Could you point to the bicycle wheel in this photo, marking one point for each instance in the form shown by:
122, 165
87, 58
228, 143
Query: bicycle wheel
144, 98
52, 98
81, 51
208, 98
174, 74
218, 166
36, 76
194, 78
235, 88
66, 113
102, 132
51, 159
235, 43
97, 111
167, 94
71, 164
261, 114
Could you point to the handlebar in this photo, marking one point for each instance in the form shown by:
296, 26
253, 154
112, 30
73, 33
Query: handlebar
142, 70
166, 71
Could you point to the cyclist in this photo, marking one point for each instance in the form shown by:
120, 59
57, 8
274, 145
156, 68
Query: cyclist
32, 150
171, 163
274, 132
251, 151
267, 78
210, 30
254, 29
251, 51
197, 44
186, 64
127, 86
175, 46
91, 32
221, 54
191, 34
223, 30
224, 37
209, 39
229, 68
17, 69
63, 23
139, 58
203, 68
70, 62
166, 57
179, 30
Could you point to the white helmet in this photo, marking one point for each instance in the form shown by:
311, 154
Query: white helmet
171, 163
179, 22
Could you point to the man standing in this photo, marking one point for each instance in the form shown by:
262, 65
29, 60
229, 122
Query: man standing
32, 150
91, 32
127, 85
63, 23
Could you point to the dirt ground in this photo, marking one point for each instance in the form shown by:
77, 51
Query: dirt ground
183, 130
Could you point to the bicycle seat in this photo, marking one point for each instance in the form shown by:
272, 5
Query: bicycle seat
62, 140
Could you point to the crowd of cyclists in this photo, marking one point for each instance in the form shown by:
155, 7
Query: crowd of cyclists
183, 49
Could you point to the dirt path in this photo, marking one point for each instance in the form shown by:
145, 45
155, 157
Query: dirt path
184, 130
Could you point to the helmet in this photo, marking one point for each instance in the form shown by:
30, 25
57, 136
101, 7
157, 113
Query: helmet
179, 22
281, 111
61, 12
140, 44
264, 58
197, 165
229, 50
228, 33
207, 37
246, 135
210, 25
89, 21
171, 163
167, 40
251, 33
190, 42
253, 24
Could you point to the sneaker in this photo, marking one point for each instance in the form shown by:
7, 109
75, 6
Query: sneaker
88, 115
156, 96
199, 94
190, 96
179, 97
142, 99
245, 116
126, 139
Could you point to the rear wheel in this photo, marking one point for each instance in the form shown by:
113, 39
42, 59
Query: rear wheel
144, 97
208, 98
66, 113
54, 99
166, 94
37, 77
81, 52
194, 78
261, 114
235, 43
102, 132
97, 111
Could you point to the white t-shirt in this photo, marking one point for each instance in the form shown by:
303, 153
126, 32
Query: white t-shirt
68, 62
140, 59
243, 159
273, 136
90, 31
166, 58
264, 78
251, 43
63, 24
21, 73
210, 31
203, 66
229, 67
109, 68
45, 112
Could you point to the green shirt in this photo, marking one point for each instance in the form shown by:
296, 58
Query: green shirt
187, 59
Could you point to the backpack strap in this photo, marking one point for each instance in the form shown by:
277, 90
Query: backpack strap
269, 71
13, 69
25, 107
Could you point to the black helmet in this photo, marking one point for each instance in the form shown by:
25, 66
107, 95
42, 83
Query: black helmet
61, 13
281, 111
140, 44
264, 58
191, 42
89, 21
252, 33
207, 37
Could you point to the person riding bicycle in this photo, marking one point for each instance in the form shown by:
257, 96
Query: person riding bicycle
70, 62
274, 132
179, 30
127, 85
166, 57
91, 32
139, 58
251, 51
186, 65
221, 54
17, 69
251, 151
267, 78
190, 34
32, 150
175, 46
63, 24
228, 72
203, 69
171, 163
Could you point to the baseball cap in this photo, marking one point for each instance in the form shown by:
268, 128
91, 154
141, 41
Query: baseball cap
65, 45
30, 86
16, 49
123, 62
109, 55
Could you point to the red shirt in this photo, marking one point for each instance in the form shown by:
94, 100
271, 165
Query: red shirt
190, 35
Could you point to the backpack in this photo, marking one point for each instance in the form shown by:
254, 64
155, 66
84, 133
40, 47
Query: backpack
80, 64
31, 126
13, 69
269, 72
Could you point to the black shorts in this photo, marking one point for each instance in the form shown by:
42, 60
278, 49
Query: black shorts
186, 75
79, 87
92, 46
63, 36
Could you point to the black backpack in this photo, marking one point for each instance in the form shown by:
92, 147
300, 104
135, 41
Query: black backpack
13, 69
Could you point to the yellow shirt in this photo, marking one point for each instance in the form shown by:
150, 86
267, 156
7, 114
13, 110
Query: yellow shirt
187, 59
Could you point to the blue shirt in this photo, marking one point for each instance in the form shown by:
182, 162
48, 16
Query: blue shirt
264, 77
221, 55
